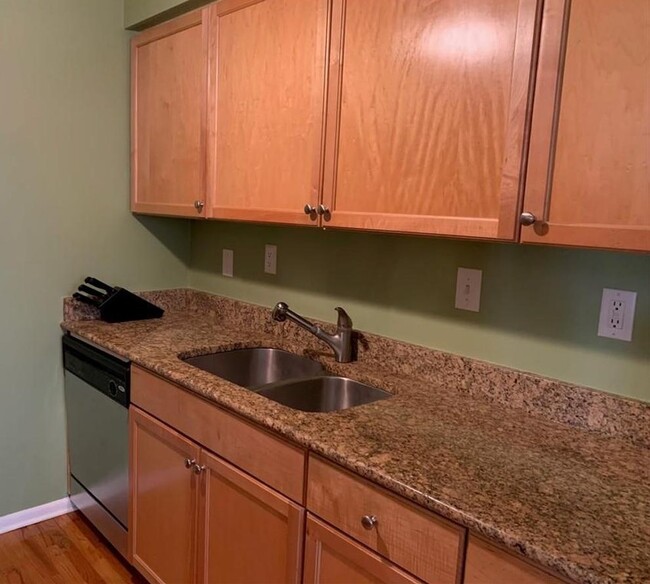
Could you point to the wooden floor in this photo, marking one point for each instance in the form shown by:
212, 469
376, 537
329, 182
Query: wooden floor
63, 550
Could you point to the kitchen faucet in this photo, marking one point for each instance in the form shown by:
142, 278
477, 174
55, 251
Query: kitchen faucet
340, 342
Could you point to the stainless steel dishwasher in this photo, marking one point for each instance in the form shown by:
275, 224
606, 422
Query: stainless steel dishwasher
97, 400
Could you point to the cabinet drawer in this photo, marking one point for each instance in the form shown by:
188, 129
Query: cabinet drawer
263, 455
428, 546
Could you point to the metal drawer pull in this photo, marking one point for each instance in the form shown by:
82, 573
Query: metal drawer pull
309, 209
198, 205
322, 210
368, 522
196, 469
189, 462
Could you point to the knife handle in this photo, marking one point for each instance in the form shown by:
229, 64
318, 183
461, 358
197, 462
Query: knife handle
86, 299
98, 294
99, 284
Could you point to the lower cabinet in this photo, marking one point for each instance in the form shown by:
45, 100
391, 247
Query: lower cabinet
196, 518
164, 501
249, 533
332, 558
487, 564
426, 545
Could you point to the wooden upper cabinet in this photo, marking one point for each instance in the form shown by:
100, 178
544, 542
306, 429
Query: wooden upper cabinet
168, 109
589, 178
266, 95
249, 532
164, 501
427, 110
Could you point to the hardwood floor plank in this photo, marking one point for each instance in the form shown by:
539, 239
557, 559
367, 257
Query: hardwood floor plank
63, 550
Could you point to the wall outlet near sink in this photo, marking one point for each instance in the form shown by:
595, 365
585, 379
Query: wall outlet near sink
617, 314
227, 262
468, 289
271, 259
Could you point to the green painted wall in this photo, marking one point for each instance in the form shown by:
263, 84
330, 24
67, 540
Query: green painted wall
64, 184
539, 306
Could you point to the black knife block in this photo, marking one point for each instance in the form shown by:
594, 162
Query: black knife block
123, 305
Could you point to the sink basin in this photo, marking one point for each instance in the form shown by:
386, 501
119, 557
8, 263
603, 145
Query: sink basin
253, 368
323, 394
294, 381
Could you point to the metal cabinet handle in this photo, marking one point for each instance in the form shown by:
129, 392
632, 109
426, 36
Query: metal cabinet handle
527, 219
196, 469
368, 522
189, 462
322, 210
309, 209
198, 205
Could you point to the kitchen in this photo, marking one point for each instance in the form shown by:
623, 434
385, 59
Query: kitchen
65, 183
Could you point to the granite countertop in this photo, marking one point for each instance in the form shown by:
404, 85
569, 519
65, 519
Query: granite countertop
577, 502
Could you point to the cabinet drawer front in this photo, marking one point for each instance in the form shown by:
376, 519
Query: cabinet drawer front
268, 458
426, 545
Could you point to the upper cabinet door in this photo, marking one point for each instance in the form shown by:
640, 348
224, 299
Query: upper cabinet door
168, 92
426, 115
589, 173
267, 84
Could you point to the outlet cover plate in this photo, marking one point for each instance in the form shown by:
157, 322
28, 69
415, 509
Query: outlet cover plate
227, 261
617, 314
271, 259
468, 289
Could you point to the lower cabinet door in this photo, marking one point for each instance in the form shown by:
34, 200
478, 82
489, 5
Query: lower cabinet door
333, 558
248, 533
164, 501
486, 564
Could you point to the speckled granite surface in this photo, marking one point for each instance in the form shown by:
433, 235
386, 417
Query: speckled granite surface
573, 500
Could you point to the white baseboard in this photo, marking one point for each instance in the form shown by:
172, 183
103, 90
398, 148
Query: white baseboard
35, 515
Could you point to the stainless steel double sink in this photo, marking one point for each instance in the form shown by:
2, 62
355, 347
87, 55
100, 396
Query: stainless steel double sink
292, 380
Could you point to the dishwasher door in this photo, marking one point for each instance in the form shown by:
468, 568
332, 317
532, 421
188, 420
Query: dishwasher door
98, 435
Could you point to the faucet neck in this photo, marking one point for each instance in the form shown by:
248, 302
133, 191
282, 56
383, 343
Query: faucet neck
341, 342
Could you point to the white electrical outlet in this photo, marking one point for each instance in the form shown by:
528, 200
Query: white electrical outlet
271, 259
617, 314
227, 262
468, 289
